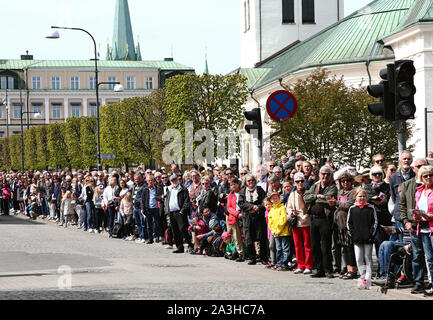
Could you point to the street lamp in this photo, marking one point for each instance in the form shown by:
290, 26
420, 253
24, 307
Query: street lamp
54, 34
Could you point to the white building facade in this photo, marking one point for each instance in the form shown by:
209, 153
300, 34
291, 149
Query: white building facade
268, 26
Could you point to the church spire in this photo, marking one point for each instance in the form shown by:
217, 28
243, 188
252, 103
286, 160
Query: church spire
206, 67
123, 38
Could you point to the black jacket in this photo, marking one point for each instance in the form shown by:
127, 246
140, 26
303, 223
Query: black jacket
208, 199
146, 196
254, 224
362, 224
182, 198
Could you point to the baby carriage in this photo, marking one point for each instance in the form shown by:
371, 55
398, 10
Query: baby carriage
402, 258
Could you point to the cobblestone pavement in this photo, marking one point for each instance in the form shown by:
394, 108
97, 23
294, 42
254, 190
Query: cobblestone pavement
42, 261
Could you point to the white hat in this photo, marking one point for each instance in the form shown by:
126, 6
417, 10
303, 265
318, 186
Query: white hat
376, 169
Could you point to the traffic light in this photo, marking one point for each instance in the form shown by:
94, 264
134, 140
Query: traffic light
385, 90
256, 118
404, 90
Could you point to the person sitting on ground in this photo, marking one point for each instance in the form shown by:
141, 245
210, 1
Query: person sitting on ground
197, 227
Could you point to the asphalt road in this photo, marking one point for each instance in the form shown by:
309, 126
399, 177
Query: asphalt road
42, 261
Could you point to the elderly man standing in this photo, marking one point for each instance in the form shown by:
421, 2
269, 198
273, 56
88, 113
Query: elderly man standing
404, 174
177, 206
319, 200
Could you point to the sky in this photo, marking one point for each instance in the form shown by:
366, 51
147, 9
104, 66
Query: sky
164, 28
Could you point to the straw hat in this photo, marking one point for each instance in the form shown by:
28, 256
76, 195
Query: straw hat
364, 173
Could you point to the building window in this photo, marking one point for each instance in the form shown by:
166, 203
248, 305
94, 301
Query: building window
148, 83
75, 83
93, 109
57, 110
16, 111
1, 111
308, 11
247, 14
7, 80
55, 83
36, 83
2, 134
130, 82
111, 79
92, 83
37, 108
288, 11
75, 109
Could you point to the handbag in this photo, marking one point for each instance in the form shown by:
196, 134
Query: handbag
293, 220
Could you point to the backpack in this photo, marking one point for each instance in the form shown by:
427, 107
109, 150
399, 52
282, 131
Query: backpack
117, 230
215, 247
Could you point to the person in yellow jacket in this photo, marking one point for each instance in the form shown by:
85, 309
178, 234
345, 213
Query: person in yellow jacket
279, 226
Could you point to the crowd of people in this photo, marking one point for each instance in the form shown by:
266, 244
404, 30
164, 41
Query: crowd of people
304, 216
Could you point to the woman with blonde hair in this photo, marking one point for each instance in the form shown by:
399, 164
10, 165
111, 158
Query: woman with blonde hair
89, 212
111, 201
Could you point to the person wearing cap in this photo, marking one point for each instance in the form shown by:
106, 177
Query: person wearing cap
279, 226
177, 206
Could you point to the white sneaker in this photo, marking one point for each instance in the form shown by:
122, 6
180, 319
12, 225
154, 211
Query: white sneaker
90, 230
297, 271
168, 247
140, 241
307, 271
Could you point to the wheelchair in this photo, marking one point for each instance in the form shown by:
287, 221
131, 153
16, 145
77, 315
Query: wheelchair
402, 258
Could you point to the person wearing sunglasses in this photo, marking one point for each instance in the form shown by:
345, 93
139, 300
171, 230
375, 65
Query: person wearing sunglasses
404, 174
253, 218
378, 194
321, 224
391, 168
346, 198
422, 241
207, 197
379, 160
295, 206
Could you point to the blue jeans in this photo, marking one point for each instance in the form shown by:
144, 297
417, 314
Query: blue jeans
152, 223
91, 216
398, 236
282, 247
421, 245
385, 251
139, 222
111, 216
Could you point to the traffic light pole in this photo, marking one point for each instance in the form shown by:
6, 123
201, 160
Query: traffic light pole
401, 127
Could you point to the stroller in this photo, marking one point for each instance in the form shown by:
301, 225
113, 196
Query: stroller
403, 276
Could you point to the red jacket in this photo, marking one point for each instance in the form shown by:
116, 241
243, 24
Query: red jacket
231, 208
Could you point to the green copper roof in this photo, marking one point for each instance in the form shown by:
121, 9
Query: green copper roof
87, 64
123, 47
351, 40
420, 12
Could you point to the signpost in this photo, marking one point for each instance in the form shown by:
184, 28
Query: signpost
108, 156
281, 106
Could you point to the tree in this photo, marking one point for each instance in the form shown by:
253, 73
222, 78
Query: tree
15, 152
30, 149
42, 154
88, 141
332, 120
132, 129
213, 102
57, 146
5, 157
73, 140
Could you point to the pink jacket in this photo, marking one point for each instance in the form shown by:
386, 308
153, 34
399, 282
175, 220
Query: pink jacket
429, 205
203, 227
